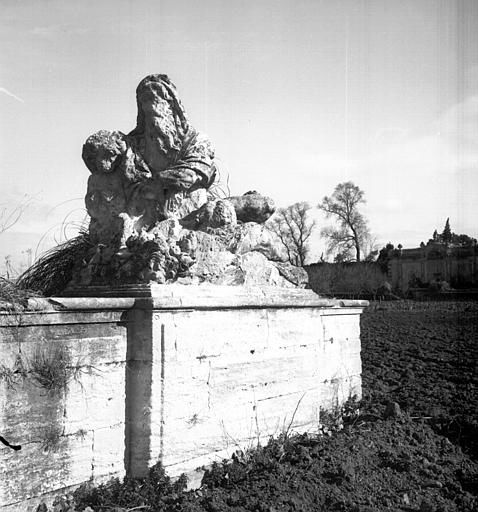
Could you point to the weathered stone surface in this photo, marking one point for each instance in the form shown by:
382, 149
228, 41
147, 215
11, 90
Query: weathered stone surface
191, 202
160, 255
260, 371
177, 296
253, 207
211, 257
251, 236
215, 264
217, 213
252, 269
38, 468
61, 428
294, 275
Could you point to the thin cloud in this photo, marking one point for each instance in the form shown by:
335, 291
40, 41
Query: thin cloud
8, 93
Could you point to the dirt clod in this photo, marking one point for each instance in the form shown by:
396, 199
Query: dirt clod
392, 410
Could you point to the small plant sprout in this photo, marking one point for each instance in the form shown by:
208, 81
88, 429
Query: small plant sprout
11, 376
81, 433
51, 439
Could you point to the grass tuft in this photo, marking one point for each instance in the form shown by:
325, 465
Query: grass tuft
54, 270
50, 367
7, 375
14, 298
154, 492
51, 440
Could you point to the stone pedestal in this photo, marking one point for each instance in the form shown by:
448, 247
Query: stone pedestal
215, 369
185, 375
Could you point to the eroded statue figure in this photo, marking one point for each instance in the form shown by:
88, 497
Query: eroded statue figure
152, 217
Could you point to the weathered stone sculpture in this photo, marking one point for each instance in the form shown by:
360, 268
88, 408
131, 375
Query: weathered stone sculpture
151, 217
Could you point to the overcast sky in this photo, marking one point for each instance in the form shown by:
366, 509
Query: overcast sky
296, 96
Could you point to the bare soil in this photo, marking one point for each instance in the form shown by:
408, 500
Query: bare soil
420, 355
424, 355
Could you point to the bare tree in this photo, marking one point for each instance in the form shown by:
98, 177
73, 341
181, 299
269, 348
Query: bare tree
293, 226
352, 233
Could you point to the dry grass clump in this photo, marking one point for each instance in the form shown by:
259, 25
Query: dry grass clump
54, 270
50, 367
52, 439
7, 375
12, 376
12, 297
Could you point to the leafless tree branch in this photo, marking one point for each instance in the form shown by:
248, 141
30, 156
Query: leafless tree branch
352, 233
294, 227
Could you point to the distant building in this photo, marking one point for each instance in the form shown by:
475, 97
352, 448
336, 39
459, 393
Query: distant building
434, 262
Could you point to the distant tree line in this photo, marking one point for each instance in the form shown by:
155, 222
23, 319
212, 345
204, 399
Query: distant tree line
358, 268
349, 239
450, 238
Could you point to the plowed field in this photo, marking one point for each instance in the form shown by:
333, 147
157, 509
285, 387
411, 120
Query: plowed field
421, 456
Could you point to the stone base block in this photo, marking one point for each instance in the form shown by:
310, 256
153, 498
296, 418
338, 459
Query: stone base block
185, 375
218, 369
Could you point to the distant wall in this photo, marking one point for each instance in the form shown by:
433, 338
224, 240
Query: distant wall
186, 377
433, 262
352, 279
